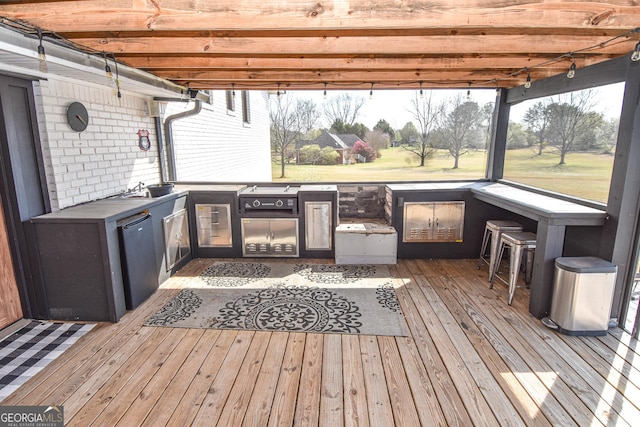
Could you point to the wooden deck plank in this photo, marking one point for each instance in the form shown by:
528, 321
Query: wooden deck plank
501, 407
164, 354
331, 398
467, 348
474, 401
308, 402
92, 401
257, 414
404, 407
237, 402
192, 399
493, 351
214, 401
451, 404
356, 412
560, 377
284, 401
378, 403
165, 406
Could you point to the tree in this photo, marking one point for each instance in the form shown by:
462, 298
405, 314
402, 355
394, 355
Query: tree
377, 139
310, 154
569, 120
384, 127
408, 133
328, 156
365, 150
285, 126
459, 128
425, 112
308, 114
340, 127
518, 136
537, 120
343, 107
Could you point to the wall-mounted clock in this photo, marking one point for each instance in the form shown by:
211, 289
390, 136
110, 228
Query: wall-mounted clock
77, 116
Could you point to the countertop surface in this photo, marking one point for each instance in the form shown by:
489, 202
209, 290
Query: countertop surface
107, 209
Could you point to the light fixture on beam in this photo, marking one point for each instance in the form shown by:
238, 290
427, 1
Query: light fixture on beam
469, 93
42, 56
635, 56
324, 94
233, 90
421, 92
371, 91
527, 84
572, 70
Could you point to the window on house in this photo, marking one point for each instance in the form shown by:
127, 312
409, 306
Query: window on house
231, 100
246, 107
566, 143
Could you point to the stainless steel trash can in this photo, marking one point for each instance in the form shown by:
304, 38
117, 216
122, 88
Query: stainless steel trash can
582, 295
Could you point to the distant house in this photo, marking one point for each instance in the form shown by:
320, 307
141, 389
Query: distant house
342, 143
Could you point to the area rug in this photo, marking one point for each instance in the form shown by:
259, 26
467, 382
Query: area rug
28, 350
282, 296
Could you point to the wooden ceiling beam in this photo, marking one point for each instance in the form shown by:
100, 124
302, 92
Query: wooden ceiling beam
155, 63
324, 75
340, 85
132, 15
458, 45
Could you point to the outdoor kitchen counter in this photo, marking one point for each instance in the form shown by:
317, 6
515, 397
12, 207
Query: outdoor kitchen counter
552, 215
110, 209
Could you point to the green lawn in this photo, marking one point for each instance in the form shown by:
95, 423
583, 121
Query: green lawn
585, 175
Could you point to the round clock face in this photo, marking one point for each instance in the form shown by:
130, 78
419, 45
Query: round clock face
77, 116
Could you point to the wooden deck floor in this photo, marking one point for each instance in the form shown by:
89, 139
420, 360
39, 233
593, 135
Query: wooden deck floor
470, 360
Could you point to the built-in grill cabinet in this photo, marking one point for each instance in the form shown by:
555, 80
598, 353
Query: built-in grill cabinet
269, 237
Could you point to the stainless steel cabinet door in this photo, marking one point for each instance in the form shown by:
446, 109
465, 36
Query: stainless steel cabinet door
284, 237
433, 221
213, 225
176, 237
318, 226
270, 237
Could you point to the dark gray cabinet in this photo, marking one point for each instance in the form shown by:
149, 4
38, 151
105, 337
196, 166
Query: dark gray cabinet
80, 255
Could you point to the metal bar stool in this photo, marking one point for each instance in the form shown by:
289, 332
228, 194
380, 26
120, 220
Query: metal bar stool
493, 230
520, 243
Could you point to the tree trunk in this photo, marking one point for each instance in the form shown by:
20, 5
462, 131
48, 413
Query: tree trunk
282, 164
455, 162
562, 153
422, 160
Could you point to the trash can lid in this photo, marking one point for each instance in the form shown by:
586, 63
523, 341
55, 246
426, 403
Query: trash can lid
586, 264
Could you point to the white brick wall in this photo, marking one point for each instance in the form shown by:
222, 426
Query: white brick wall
216, 146
105, 158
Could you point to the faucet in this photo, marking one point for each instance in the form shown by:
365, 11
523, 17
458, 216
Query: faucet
137, 188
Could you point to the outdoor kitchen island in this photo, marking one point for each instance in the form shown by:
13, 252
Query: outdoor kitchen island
81, 254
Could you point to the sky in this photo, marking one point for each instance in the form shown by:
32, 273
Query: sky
394, 105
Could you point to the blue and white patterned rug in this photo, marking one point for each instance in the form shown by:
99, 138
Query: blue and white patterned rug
28, 350
276, 296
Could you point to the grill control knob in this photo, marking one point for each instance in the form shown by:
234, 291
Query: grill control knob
256, 203
279, 203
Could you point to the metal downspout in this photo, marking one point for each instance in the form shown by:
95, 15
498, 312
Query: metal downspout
168, 132
159, 142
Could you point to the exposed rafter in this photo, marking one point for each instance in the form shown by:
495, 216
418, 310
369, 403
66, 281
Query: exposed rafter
343, 43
